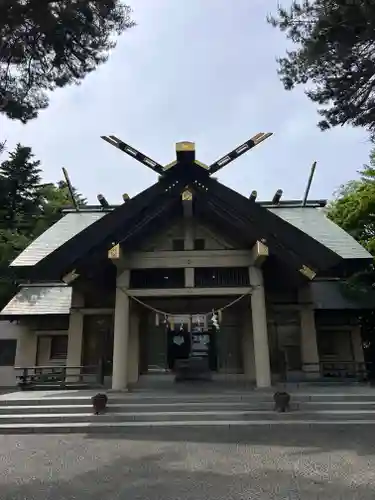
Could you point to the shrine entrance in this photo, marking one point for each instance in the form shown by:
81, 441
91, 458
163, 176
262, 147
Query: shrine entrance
169, 345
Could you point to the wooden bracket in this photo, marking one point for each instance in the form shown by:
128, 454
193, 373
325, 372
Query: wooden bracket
260, 253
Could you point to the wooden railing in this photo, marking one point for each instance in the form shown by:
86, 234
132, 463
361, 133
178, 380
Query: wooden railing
61, 377
340, 369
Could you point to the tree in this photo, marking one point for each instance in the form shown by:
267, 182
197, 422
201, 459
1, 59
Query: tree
27, 208
354, 206
335, 55
19, 187
54, 197
50, 44
354, 210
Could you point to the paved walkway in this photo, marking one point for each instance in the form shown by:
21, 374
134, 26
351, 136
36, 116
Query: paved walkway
186, 464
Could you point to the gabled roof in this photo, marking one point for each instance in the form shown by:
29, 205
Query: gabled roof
64, 230
309, 219
315, 223
124, 222
290, 244
331, 295
37, 300
300, 242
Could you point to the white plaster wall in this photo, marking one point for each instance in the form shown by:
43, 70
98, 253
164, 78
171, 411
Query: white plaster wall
9, 330
163, 242
44, 348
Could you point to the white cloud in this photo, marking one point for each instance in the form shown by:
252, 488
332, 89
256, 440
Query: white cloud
201, 71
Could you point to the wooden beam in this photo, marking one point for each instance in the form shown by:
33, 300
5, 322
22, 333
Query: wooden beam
134, 153
189, 258
259, 253
189, 292
239, 151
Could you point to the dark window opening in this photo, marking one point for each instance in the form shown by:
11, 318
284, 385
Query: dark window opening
95, 297
59, 347
157, 278
222, 276
199, 244
48, 323
327, 342
8, 352
178, 245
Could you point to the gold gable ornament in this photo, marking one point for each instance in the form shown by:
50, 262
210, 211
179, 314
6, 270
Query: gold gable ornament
309, 273
70, 277
114, 252
187, 195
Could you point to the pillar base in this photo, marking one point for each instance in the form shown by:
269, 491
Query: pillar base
269, 388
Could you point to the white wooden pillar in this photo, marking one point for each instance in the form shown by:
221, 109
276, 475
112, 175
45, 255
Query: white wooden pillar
121, 334
260, 332
75, 339
75, 336
248, 346
358, 353
133, 350
309, 343
26, 350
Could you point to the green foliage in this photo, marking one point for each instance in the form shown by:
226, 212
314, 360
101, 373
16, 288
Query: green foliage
19, 188
27, 209
354, 207
335, 55
354, 210
54, 197
48, 44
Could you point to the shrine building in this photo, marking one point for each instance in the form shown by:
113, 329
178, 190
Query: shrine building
190, 270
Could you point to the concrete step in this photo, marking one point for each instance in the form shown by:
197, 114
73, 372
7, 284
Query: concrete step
252, 398
178, 416
130, 406
66, 412
100, 427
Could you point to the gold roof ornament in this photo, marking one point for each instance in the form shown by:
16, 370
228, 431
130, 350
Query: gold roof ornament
306, 271
70, 277
185, 146
187, 195
115, 252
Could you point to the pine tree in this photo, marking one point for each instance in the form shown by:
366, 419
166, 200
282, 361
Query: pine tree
27, 209
19, 189
333, 54
45, 45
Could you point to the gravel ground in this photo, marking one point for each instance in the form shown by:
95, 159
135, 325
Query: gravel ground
263, 463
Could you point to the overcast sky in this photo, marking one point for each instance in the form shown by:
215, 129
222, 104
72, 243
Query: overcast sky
198, 70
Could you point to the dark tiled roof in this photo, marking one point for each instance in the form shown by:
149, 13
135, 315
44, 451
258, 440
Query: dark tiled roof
40, 300
310, 220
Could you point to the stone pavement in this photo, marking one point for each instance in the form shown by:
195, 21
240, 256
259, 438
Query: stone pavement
308, 463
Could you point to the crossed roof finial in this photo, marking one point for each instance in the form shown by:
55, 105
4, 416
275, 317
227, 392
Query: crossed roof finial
185, 152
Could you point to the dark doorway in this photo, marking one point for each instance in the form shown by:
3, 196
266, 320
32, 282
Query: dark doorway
98, 342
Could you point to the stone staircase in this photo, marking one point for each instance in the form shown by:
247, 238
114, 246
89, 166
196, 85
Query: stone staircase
71, 411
